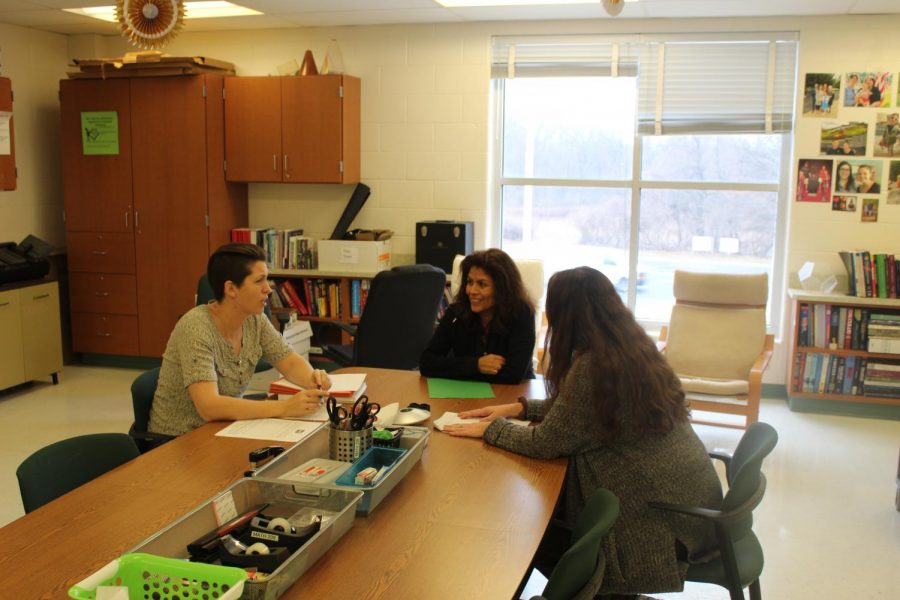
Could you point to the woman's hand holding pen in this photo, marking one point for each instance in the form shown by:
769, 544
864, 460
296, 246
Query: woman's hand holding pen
490, 364
303, 403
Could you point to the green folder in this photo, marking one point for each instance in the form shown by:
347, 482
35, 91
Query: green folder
453, 388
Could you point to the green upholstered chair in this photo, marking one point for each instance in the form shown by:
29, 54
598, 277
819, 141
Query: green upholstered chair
737, 560
142, 390
579, 572
205, 294
63, 466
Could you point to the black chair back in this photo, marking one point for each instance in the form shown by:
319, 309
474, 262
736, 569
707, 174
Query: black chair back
399, 317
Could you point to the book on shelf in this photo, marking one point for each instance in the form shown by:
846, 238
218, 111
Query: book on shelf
284, 248
873, 275
884, 345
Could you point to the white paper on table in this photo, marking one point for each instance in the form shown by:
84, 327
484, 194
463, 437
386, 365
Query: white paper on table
279, 430
452, 418
320, 416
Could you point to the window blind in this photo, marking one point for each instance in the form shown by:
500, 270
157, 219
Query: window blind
703, 84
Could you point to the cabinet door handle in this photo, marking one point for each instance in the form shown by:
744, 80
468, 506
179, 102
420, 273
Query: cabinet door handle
103, 334
126, 220
274, 162
4, 304
40, 296
99, 252
101, 293
137, 220
286, 174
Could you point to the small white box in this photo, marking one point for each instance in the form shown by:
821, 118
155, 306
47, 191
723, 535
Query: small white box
297, 334
354, 256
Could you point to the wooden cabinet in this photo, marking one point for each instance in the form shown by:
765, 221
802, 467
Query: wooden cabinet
830, 359
7, 159
293, 129
141, 222
32, 345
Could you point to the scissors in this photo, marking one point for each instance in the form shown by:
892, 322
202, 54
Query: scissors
363, 414
337, 414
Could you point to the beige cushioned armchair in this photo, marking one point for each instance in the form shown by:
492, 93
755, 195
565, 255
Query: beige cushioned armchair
716, 342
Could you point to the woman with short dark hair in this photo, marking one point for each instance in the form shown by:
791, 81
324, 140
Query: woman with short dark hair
616, 409
488, 332
213, 350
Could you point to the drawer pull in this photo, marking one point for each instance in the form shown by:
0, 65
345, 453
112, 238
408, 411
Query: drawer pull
103, 334
4, 304
99, 252
41, 296
101, 293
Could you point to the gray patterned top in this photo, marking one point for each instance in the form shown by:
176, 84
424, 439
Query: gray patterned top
198, 352
672, 467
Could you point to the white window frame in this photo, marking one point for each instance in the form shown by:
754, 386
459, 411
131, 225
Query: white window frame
637, 185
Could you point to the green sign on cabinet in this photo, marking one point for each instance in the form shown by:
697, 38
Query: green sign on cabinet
100, 132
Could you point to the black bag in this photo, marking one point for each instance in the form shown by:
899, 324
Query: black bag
24, 261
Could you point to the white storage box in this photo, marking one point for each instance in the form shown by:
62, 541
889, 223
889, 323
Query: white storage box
353, 256
297, 333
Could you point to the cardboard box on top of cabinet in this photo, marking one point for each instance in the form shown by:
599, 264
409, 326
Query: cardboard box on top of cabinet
354, 256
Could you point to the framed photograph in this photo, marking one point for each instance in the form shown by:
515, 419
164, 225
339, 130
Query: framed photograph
867, 89
867, 175
814, 180
844, 139
869, 210
821, 93
887, 134
893, 186
844, 203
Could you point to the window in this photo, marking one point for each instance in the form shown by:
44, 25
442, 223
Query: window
638, 157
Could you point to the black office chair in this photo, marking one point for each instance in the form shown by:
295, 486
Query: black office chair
737, 560
205, 294
63, 466
397, 321
579, 572
142, 390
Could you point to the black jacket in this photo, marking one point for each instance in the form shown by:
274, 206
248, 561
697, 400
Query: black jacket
457, 344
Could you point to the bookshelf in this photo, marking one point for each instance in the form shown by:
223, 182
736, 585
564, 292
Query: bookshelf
830, 357
335, 288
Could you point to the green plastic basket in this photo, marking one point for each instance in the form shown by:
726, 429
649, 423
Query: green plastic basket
156, 578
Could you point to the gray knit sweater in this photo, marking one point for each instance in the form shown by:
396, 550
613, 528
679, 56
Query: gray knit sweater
672, 467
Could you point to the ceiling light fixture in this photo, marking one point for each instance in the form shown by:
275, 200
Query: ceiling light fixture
485, 3
193, 10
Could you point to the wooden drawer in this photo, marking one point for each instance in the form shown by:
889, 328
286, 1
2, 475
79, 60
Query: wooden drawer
105, 334
103, 293
94, 252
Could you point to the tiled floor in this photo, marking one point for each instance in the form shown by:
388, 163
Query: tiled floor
827, 523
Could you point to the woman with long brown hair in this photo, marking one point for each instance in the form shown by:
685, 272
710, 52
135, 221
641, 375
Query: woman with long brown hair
617, 410
488, 331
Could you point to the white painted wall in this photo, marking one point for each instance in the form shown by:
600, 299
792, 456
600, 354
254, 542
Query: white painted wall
425, 118
34, 61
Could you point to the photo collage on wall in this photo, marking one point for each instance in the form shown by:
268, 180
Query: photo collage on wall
860, 135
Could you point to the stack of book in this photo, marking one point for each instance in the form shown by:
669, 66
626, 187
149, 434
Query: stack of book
833, 326
829, 374
884, 333
882, 379
872, 275
284, 248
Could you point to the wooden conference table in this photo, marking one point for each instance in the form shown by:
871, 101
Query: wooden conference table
463, 523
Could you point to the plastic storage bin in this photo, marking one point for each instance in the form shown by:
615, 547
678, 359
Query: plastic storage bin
374, 457
284, 499
316, 445
148, 576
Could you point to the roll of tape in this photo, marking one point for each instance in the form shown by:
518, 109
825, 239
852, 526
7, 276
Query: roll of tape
280, 524
258, 548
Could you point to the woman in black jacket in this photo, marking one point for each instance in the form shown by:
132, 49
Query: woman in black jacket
488, 332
